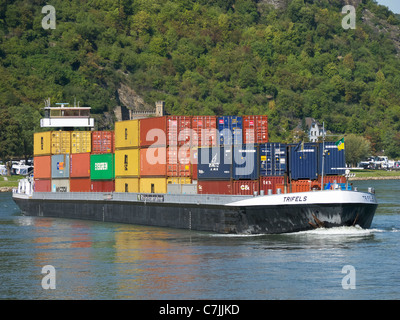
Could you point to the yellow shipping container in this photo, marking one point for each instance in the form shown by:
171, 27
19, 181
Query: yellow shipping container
179, 180
60, 142
81, 141
126, 184
127, 163
127, 134
153, 185
42, 143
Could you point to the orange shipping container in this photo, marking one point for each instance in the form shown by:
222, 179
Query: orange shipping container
165, 131
153, 131
153, 161
332, 179
103, 141
80, 185
304, 185
80, 165
178, 130
178, 162
42, 167
255, 129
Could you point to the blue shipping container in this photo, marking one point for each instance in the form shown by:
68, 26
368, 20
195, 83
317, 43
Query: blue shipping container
230, 130
60, 166
273, 159
334, 158
245, 162
214, 163
303, 161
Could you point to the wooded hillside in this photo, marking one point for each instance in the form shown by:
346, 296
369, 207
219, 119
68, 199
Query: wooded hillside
222, 57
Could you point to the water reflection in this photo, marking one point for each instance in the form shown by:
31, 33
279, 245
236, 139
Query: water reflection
149, 261
96, 260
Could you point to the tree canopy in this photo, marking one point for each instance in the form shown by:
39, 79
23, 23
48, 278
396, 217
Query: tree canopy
231, 57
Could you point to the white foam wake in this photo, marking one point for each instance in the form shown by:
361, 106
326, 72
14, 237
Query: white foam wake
356, 231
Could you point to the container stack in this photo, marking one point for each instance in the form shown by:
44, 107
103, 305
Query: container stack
204, 134
273, 167
127, 156
231, 166
79, 162
169, 154
155, 134
102, 162
305, 166
178, 151
80, 172
42, 161
51, 161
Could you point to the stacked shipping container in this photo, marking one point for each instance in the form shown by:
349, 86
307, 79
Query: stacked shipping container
149, 154
127, 156
155, 135
70, 165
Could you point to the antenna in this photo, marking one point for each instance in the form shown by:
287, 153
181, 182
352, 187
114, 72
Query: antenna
323, 155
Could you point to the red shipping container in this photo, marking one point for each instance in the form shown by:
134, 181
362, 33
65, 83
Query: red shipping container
103, 142
165, 131
178, 162
102, 186
255, 129
80, 185
214, 187
246, 187
153, 161
204, 131
80, 165
42, 185
153, 131
42, 167
271, 183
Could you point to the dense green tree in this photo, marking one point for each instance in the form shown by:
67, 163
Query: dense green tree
357, 149
207, 57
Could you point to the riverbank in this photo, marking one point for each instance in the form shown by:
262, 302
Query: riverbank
375, 175
374, 178
7, 189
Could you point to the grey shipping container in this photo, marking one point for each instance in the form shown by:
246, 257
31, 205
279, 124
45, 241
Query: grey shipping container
182, 188
60, 166
303, 161
60, 185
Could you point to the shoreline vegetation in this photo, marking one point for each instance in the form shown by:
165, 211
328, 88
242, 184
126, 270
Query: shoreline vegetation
6, 185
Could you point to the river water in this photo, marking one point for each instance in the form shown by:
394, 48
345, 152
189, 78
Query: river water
95, 260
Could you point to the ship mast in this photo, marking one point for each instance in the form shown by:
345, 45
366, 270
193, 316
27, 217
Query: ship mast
323, 156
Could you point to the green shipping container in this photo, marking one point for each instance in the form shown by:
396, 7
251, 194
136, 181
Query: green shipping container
102, 166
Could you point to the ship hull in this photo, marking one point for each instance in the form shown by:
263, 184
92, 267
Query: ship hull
255, 215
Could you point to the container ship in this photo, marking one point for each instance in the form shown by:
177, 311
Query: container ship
205, 173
